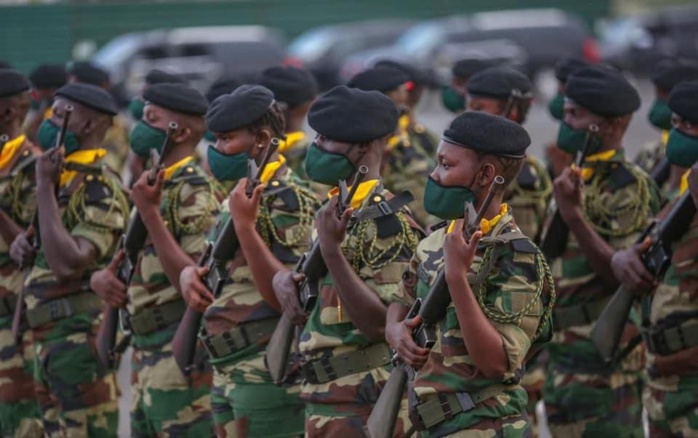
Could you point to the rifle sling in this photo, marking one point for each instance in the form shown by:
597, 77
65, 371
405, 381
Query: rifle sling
384, 207
226, 343
582, 314
156, 318
7, 305
64, 307
327, 369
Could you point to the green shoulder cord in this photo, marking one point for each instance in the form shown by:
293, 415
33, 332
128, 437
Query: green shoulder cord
265, 222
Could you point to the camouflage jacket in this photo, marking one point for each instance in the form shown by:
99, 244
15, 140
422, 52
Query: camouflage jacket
18, 202
189, 208
529, 196
117, 144
509, 278
619, 200
285, 223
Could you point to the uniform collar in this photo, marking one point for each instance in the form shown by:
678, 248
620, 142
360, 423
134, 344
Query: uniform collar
176, 166
486, 225
10, 149
292, 139
365, 188
402, 136
271, 169
83, 157
588, 172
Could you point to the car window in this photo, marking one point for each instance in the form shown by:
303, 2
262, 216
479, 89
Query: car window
311, 45
155, 52
420, 38
193, 50
253, 52
117, 50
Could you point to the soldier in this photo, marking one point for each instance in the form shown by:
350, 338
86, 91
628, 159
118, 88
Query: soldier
583, 395
344, 354
81, 213
453, 95
500, 286
405, 165
295, 90
45, 80
177, 210
19, 412
508, 93
665, 76
669, 313
272, 235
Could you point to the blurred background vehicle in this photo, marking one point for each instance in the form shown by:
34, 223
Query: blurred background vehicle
636, 42
322, 50
198, 54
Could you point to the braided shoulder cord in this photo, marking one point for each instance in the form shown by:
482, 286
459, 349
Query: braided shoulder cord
172, 205
74, 212
306, 206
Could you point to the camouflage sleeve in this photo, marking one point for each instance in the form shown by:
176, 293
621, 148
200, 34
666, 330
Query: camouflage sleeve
196, 212
24, 206
102, 221
407, 288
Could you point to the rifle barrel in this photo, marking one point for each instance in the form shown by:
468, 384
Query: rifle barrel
64, 126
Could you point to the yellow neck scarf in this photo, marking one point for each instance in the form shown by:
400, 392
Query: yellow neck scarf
48, 113
271, 169
10, 149
292, 139
665, 137
179, 164
684, 183
402, 136
364, 189
588, 172
486, 225
85, 157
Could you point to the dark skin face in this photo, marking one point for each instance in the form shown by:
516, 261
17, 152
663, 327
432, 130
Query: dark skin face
611, 131
399, 96
87, 124
460, 85
13, 111
661, 93
415, 95
243, 140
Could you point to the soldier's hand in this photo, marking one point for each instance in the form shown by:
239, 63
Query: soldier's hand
194, 291
106, 284
399, 336
629, 269
22, 251
330, 228
567, 189
459, 253
285, 284
693, 183
244, 210
147, 198
48, 166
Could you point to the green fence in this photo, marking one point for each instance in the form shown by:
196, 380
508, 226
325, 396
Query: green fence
48, 33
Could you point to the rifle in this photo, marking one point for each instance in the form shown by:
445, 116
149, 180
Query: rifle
381, 422
215, 258
608, 330
661, 172
131, 243
313, 268
553, 240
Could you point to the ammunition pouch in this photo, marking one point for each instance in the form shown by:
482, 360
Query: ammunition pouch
64, 307
156, 318
237, 338
671, 339
583, 314
7, 305
327, 369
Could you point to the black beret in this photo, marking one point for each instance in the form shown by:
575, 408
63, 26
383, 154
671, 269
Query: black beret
415, 75
88, 73
499, 83
566, 66
12, 83
5, 64
156, 76
290, 84
465, 68
238, 109
381, 79
48, 76
683, 100
670, 72
179, 98
602, 91
91, 96
488, 134
353, 115
223, 85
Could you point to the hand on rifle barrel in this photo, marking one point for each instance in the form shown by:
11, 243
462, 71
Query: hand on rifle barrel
330, 228
567, 190
285, 285
194, 291
459, 253
106, 284
629, 269
22, 251
244, 209
399, 336
48, 166
147, 197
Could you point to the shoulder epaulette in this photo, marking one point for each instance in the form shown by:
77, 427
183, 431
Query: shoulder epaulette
526, 179
621, 176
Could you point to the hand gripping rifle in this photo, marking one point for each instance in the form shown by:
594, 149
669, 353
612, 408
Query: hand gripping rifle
313, 268
553, 240
215, 258
131, 243
608, 330
381, 422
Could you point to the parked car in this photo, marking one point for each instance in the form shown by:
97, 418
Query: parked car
198, 54
322, 50
637, 43
546, 35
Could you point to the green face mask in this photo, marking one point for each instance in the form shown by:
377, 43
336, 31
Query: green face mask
210, 136
136, 108
660, 115
557, 107
452, 100
446, 202
327, 167
48, 134
682, 149
144, 137
572, 140
226, 167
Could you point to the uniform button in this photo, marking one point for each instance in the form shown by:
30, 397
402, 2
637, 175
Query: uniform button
376, 199
89, 178
190, 170
275, 183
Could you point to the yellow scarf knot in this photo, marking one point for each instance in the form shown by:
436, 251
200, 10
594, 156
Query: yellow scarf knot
588, 172
292, 139
486, 225
85, 157
271, 169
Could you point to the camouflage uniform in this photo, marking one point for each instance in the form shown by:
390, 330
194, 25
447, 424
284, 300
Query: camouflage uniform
407, 165
379, 251
245, 401
510, 277
672, 376
529, 196
77, 397
117, 145
19, 412
583, 396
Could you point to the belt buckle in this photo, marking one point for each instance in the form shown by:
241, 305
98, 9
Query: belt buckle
208, 346
57, 305
384, 208
445, 406
158, 318
308, 373
465, 401
327, 368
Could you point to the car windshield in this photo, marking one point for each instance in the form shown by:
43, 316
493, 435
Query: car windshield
621, 32
311, 45
420, 38
117, 50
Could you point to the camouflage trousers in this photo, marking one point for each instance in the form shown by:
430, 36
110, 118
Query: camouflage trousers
19, 411
164, 402
672, 413
77, 397
246, 403
532, 382
509, 427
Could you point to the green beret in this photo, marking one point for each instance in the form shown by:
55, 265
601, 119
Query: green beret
488, 134
683, 100
243, 106
290, 85
602, 91
179, 98
91, 96
12, 83
381, 79
669, 72
499, 83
